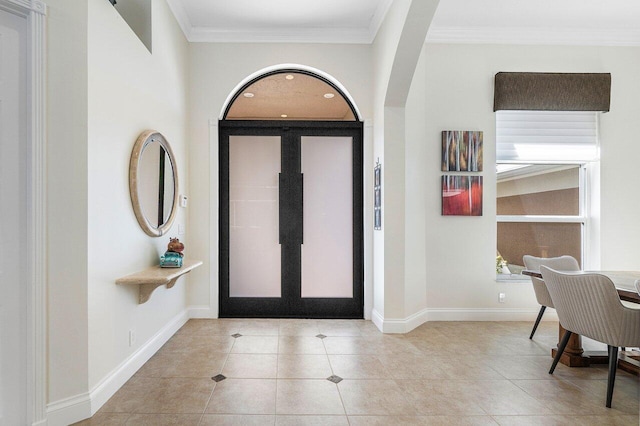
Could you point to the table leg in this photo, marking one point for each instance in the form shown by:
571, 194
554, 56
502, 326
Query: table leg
575, 356
630, 362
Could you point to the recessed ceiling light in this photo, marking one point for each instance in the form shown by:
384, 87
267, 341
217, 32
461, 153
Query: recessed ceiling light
248, 95
289, 77
329, 95
283, 115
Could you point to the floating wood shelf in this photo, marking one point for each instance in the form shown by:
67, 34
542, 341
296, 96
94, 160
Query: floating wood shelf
154, 277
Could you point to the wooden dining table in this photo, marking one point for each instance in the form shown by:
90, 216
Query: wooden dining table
574, 355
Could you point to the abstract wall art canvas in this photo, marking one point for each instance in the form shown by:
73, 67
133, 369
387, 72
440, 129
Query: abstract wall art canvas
461, 195
461, 151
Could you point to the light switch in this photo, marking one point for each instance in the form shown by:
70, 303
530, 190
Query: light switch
180, 229
183, 200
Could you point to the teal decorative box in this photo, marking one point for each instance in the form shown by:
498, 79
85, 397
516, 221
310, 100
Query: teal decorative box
171, 260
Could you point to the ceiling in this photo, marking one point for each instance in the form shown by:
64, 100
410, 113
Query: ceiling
290, 96
569, 22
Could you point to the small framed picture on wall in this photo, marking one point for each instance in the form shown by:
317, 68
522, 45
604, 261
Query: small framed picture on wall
461, 195
461, 151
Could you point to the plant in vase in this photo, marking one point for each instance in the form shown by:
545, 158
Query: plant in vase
501, 265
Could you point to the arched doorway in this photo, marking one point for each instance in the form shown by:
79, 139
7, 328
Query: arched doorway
291, 225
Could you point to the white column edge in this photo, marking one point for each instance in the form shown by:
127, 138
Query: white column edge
35, 12
214, 200
367, 211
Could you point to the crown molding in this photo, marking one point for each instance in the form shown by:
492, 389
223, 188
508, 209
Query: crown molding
534, 36
378, 18
24, 7
444, 35
279, 35
307, 35
180, 13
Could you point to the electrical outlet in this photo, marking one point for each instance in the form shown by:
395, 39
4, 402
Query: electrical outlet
132, 337
502, 297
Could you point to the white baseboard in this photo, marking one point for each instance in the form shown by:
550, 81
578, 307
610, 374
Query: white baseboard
202, 311
394, 326
82, 406
69, 410
377, 319
405, 325
488, 314
109, 385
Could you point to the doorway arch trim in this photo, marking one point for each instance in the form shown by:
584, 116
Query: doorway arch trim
35, 14
283, 68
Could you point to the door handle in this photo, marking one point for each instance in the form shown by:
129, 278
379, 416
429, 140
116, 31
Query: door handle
301, 208
290, 203
280, 208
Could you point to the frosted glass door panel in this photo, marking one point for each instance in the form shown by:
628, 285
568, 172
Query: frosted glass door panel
254, 251
327, 250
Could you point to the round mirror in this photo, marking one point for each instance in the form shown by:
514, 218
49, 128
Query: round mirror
153, 183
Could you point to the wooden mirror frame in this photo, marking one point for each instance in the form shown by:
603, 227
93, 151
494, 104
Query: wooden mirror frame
143, 140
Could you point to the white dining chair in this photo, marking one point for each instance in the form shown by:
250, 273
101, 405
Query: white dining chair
589, 305
532, 263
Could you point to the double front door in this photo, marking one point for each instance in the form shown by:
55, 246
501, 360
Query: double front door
291, 238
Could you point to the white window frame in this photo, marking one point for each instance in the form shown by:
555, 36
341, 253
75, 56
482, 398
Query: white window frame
583, 217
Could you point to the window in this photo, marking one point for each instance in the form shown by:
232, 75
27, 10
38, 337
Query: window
540, 211
542, 192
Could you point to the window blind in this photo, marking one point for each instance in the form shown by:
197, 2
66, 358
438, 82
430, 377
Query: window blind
546, 136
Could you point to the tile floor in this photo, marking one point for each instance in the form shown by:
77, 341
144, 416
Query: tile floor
275, 372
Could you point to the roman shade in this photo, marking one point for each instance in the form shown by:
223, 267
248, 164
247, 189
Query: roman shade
556, 136
552, 91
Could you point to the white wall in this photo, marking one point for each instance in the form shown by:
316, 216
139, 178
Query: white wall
396, 52
104, 89
215, 70
384, 49
129, 90
620, 204
458, 94
416, 161
67, 198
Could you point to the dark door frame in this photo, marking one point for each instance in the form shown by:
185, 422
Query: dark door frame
291, 305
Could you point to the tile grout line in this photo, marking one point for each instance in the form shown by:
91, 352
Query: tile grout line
344, 408
275, 405
215, 384
518, 383
326, 353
